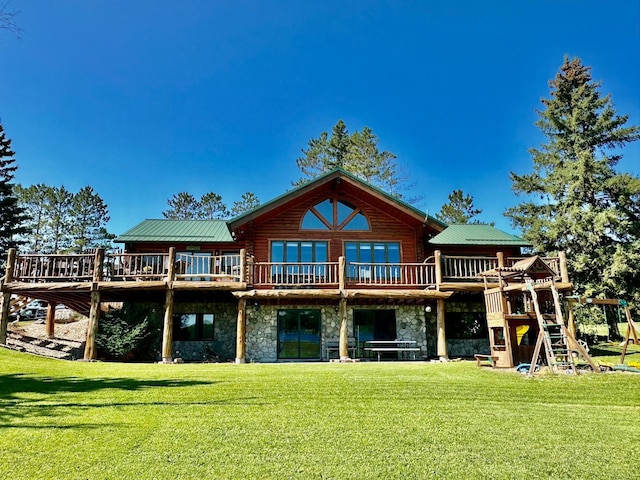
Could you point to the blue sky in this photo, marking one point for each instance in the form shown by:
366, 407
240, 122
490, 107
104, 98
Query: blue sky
143, 99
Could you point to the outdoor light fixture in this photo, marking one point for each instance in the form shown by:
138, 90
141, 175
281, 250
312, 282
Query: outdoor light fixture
256, 306
427, 309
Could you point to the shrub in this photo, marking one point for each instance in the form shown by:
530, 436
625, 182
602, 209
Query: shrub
130, 333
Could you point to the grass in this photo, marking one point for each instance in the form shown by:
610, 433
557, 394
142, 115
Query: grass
68, 420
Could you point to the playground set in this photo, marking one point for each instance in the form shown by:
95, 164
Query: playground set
525, 318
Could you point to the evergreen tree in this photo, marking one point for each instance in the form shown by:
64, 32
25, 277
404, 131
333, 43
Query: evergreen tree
357, 153
89, 216
34, 200
459, 210
248, 202
577, 201
211, 207
12, 215
183, 206
58, 229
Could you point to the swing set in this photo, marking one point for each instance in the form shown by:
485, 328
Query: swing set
633, 330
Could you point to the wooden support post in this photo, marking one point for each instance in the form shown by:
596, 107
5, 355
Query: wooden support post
564, 271
90, 352
167, 327
6, 295
500, 256
98, 265
442, 338
438, 261
344, 330
4, 316
241, 331
50, 324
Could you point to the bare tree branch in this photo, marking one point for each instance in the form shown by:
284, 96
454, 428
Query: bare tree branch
7, 20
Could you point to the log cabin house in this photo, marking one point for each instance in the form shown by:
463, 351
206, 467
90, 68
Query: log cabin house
321, 271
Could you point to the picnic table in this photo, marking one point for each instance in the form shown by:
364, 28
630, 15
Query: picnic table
402, 347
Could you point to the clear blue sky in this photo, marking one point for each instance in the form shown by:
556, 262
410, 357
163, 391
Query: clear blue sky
143, 99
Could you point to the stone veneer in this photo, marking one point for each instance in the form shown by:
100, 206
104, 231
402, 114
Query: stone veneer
462, 347
223, 345
262, 328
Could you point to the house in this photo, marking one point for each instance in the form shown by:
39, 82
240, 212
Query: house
335, 267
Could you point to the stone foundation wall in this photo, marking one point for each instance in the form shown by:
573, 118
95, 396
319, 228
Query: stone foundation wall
463, 347
223, 345
262, 328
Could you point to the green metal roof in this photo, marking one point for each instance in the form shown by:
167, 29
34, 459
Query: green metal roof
477, 235
178, 231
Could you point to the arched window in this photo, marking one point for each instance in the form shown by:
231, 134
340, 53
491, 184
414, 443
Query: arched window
334, 214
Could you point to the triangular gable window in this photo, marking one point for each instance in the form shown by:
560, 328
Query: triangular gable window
334, 214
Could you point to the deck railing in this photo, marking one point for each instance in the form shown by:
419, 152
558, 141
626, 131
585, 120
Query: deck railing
295, 274
233, 268
466, 267
46, 268
391, 274
208, 267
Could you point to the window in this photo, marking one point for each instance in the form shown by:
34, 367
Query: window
334, 214
304, 251
193, 326
369, 254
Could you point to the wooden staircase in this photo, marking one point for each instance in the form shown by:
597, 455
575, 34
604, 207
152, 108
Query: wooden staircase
559, 345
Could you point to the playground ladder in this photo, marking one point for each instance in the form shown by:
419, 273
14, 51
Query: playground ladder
553, 335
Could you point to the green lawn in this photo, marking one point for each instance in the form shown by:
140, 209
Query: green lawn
73, 420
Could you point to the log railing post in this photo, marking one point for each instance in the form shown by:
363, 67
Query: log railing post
564, 271
98, 265
243, 265
437, 256
241, 327
500, 256
342, 273
167, 327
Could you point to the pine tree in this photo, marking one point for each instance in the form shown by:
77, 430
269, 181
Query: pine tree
459, 210
357, 153
211, 207
35, 201
89, 216
12, 215
183, 206
576, 200
248, 202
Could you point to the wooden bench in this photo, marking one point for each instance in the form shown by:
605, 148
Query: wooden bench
486, 360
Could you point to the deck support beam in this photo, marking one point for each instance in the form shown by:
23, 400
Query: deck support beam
440, 333
90, 351
241, 329
6, 295
344, 330
167, 327
50, 324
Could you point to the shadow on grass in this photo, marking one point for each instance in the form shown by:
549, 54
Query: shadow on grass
28, 396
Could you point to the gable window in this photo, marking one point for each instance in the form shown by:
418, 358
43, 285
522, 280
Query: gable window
334, 214
193, 326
